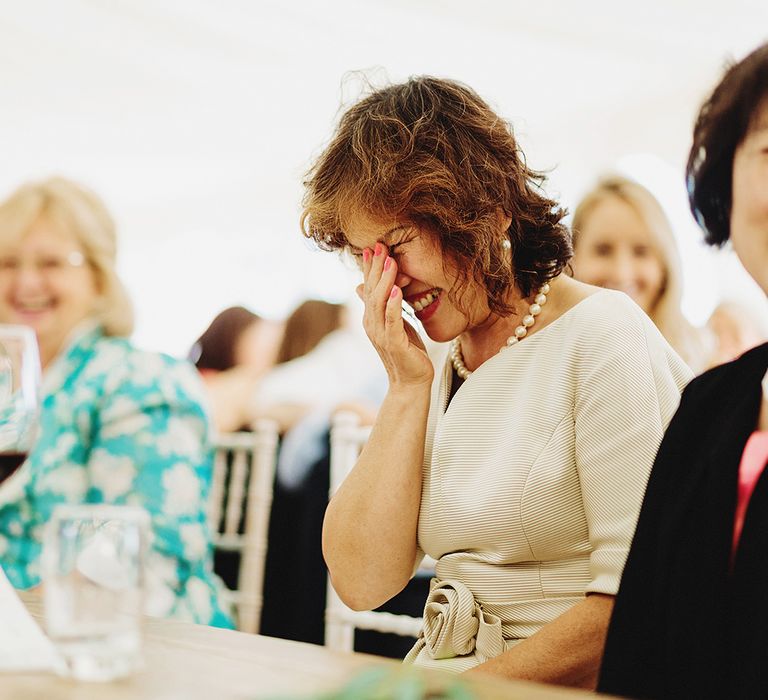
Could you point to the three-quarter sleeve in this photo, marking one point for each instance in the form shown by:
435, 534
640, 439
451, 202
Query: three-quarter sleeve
629, 388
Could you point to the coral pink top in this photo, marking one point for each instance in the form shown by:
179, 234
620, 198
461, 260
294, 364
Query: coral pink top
753, 461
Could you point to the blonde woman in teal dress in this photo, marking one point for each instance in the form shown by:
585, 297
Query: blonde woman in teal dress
118, 425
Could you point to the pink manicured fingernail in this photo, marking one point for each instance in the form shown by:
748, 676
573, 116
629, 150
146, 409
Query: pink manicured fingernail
366, 254
388, 263
378, 249
394, 292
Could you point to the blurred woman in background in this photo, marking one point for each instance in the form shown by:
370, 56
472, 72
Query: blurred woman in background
736, 327
117, 425
622, 239
307, 325
306, 377
235, 337
323, 362
233, 353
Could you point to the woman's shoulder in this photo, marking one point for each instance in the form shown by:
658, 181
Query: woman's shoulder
115, 354
597, 311
129, 368
607, 326
600, 299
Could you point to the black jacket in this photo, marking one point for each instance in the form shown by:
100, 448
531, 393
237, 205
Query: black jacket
684, 625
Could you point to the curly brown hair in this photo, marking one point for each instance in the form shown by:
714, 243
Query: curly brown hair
431, 152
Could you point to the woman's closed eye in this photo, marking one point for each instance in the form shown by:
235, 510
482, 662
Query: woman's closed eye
393, 249
397, 248
355, 256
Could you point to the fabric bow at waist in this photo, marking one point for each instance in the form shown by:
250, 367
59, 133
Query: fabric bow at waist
456, 625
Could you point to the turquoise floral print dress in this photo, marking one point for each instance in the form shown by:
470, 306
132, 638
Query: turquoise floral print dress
121, 426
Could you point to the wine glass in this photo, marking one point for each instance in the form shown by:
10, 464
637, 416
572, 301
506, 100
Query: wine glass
20, 379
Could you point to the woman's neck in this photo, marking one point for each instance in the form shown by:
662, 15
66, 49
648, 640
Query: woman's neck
47, 354
486, 340
51, 348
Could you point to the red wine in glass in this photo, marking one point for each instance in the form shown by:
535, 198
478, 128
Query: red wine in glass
19, 396
9, 463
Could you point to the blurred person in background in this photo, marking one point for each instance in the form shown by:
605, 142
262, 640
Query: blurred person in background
307, 325
622, 239
328, 365
736, 327
117, 425
232, 354
323, 362
691, 615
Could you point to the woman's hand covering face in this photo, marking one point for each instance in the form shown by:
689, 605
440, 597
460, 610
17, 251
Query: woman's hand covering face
397, 342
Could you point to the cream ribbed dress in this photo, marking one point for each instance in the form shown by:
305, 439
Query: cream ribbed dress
534, 475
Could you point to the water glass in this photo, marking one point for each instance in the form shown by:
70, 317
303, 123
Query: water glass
93, 576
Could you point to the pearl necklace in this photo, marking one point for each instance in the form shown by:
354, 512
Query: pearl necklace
520, 332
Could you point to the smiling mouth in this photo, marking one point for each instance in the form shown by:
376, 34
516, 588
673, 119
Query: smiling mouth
425, 300
32, 307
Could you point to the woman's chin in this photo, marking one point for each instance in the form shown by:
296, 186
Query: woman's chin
34, 320
439, 335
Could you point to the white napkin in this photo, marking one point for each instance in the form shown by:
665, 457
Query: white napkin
23, 645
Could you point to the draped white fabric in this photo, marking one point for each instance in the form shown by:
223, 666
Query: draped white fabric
197, 119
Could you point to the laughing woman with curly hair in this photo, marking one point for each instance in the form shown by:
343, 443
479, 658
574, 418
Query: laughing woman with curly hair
521, 468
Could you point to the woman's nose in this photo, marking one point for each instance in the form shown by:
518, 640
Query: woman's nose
28, 276
622, 270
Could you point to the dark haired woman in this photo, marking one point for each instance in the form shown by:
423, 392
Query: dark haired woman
233, 353
521, 471
307, 325
691, 617
228, 340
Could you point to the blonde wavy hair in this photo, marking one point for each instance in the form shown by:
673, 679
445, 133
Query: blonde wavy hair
78, 211
667, 312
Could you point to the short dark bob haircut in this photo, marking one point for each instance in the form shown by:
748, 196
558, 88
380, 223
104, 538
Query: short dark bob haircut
724, 121
431, 152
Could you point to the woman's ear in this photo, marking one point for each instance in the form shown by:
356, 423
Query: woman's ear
505, 221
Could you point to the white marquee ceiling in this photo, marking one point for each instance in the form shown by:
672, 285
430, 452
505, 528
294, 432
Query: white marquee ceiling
196, 119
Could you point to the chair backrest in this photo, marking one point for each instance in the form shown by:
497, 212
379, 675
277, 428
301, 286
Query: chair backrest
239, 507
347, 440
